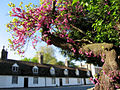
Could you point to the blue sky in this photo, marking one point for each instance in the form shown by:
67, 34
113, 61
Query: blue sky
4, 36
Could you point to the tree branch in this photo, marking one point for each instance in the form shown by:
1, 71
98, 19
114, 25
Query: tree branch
84, 40
81, 31
78, 29
53, 6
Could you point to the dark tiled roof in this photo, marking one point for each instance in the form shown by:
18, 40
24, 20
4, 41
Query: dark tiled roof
25, 69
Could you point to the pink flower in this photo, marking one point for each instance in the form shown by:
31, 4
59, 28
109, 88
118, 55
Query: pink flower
18, 9
48, 42
65, 20
109, 13
117, 77
14, 15
90, 53
103, 72
105, 3
73, 49
91, 78
117, 86
81, 10
94, 55
111, 78
45, 35
86, 52
14, 10
102, 60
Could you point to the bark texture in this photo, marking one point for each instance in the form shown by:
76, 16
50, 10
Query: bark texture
110, 76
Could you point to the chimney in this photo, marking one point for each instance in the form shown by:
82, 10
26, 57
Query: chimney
4, 54
40, 59
87, 66
80, 64
66, 63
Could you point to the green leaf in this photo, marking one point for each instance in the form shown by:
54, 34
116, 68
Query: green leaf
10, 41
74, 1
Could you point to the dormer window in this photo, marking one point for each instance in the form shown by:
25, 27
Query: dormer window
35, 70
15, 67
65, 72
52, 71
77, 72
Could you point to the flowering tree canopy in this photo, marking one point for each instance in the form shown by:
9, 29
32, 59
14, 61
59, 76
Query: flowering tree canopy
67, 24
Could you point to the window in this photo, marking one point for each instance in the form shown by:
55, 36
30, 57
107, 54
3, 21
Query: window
52, 71
78, 80
77, 72
14, 79
35, 70
66, 72
35, 80
67, 80
53, 81
15, 67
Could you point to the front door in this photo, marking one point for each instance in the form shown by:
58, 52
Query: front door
60, 81
26, 82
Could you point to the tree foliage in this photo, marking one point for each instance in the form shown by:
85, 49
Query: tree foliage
68, 24
35, 60
48, 55
60, 63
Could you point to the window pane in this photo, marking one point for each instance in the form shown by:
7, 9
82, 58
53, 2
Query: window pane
67, 80
15, 69
53, 81
15, 80
35, 70
35, 80
78, 80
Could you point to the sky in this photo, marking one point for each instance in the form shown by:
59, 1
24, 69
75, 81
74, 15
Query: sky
4, 35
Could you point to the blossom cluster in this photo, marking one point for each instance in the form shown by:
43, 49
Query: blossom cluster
27, 22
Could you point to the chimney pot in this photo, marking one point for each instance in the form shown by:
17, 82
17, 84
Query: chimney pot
40, 59
4, 54
66, 62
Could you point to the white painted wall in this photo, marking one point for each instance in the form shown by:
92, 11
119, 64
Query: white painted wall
49, 81
41, 82
82, 81
73, 81
6, 82
58, 81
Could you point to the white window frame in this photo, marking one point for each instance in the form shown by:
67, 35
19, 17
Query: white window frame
78, 80
53, 80
67, 80
77, 72
14, 79
15, 67
65, 72
35, 70
35, 80
52, 71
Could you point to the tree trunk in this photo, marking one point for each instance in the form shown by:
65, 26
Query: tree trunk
109, 78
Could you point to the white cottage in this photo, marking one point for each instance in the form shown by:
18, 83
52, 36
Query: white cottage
20, 74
